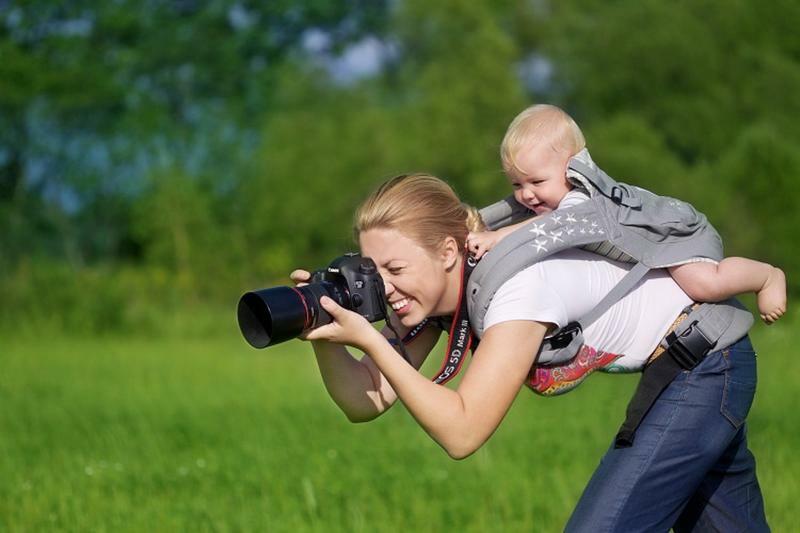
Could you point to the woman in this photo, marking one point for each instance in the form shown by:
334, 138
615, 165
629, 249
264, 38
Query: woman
689, 467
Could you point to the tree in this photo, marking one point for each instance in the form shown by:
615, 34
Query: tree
96, 95
699, 72
440, 105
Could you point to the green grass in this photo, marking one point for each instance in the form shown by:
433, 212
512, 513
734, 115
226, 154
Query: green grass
131, 434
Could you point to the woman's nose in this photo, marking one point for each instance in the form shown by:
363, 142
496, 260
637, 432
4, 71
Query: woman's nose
388, 287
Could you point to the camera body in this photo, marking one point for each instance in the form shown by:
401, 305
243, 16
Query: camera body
354, 283
270, 316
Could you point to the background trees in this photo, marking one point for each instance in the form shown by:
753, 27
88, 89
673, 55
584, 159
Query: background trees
187, 150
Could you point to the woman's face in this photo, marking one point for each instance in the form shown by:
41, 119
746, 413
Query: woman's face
416, 280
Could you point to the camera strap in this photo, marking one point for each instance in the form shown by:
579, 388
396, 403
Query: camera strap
461, 337
416, 330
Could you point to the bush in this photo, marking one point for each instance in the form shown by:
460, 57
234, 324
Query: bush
51, 298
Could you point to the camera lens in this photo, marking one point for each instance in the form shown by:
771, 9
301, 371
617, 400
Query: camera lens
270, 316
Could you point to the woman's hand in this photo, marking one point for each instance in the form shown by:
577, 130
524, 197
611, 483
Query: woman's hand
347, 327
300, 277
357, 386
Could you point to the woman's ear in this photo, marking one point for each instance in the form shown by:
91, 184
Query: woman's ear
450, 252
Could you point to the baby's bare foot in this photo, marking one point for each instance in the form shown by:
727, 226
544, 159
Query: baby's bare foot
772, 296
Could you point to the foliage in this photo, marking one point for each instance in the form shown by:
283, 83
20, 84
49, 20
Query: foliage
96, 96
707, 96
222, 144
325, 147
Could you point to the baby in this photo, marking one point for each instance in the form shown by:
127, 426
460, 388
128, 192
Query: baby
535, 153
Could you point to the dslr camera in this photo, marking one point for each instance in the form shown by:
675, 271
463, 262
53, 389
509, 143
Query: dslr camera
271, 316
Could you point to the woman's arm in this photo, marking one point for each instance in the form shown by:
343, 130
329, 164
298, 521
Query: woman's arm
358, 387
459, 420
462, 420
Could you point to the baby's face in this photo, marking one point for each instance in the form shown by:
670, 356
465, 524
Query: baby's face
540, 179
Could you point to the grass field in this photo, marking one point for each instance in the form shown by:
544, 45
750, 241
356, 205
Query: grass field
131, 434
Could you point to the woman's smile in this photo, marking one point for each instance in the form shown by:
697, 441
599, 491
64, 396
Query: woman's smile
401, 307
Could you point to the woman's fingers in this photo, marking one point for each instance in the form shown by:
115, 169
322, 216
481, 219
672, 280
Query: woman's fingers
333, 309
300, 277
347, 327
332, 331
324, 333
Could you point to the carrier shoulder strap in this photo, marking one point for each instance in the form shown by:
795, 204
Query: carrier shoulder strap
623, 287
585, 168
461, 338
544, 236
504, 213
564, 344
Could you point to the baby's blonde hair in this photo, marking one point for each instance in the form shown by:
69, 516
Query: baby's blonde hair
422, 207
537, 124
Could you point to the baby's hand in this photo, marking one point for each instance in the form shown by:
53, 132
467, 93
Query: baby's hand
479, 243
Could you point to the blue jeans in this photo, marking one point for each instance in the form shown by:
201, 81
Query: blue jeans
689, 466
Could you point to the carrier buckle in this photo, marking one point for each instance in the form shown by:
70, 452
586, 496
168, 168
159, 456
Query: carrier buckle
564, 336
690, 347
616, 195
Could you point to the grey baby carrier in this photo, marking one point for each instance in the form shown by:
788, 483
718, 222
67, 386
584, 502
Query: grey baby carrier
624, 223
619, 221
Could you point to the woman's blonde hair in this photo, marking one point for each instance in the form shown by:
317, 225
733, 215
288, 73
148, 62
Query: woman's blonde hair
422, 207
537, 124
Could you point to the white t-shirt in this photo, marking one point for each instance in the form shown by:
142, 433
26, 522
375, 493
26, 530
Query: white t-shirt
573, 197
567, 285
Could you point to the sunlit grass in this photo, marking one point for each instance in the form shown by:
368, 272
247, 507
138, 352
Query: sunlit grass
131, 434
